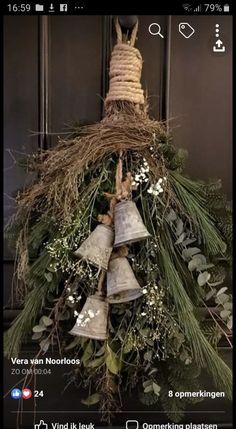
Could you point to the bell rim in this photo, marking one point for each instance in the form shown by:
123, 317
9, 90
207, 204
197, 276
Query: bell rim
98, 298
132, 240
120, 301
121, 289
90, 261
101, 337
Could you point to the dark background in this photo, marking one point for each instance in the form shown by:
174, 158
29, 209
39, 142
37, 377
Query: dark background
56, 71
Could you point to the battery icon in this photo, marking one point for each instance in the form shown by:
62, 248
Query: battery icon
226, 8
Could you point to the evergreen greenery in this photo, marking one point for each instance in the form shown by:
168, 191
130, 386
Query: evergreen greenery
158, 342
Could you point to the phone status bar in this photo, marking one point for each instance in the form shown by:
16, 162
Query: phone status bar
75, 7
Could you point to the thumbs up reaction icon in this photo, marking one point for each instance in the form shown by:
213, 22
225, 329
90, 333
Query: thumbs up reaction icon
41, 425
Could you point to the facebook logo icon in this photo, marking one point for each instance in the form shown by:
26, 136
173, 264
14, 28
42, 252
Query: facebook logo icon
16, 394
63, 7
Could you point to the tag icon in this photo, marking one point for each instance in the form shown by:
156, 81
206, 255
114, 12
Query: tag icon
186, 30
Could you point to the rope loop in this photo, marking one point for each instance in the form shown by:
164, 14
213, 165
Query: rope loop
119, 32
125, 70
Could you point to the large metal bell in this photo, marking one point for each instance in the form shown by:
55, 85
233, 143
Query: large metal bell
97, 248
122, 285
129, 226
92, 320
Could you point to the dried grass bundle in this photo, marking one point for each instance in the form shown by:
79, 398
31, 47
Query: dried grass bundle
124, 128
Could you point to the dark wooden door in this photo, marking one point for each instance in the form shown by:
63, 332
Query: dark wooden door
56, 72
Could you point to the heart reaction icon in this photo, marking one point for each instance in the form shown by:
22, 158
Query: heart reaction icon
26, 393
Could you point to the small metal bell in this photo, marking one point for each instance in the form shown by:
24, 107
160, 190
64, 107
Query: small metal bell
92, 320
97, 248
129, 226
122, 285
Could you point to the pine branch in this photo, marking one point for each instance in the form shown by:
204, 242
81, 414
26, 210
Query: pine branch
24, 322
202, 351
191, 196
174, 407
176, 376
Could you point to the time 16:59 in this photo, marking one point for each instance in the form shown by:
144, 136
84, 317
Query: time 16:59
23, 7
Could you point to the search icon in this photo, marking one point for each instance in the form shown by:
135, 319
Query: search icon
155, 29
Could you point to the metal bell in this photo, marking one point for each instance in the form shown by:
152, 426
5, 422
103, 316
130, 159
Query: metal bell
92, 320
129, 226
97, 247
122, 285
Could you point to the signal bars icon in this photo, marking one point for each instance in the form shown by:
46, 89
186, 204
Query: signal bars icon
197, 9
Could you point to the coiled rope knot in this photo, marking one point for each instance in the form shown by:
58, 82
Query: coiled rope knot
125, 72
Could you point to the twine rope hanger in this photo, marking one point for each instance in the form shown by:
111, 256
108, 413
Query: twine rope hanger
125, 70
124, 85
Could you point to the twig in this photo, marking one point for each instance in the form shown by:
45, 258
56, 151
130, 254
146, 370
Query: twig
222, 330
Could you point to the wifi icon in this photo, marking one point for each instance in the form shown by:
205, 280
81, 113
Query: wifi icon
187, 7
